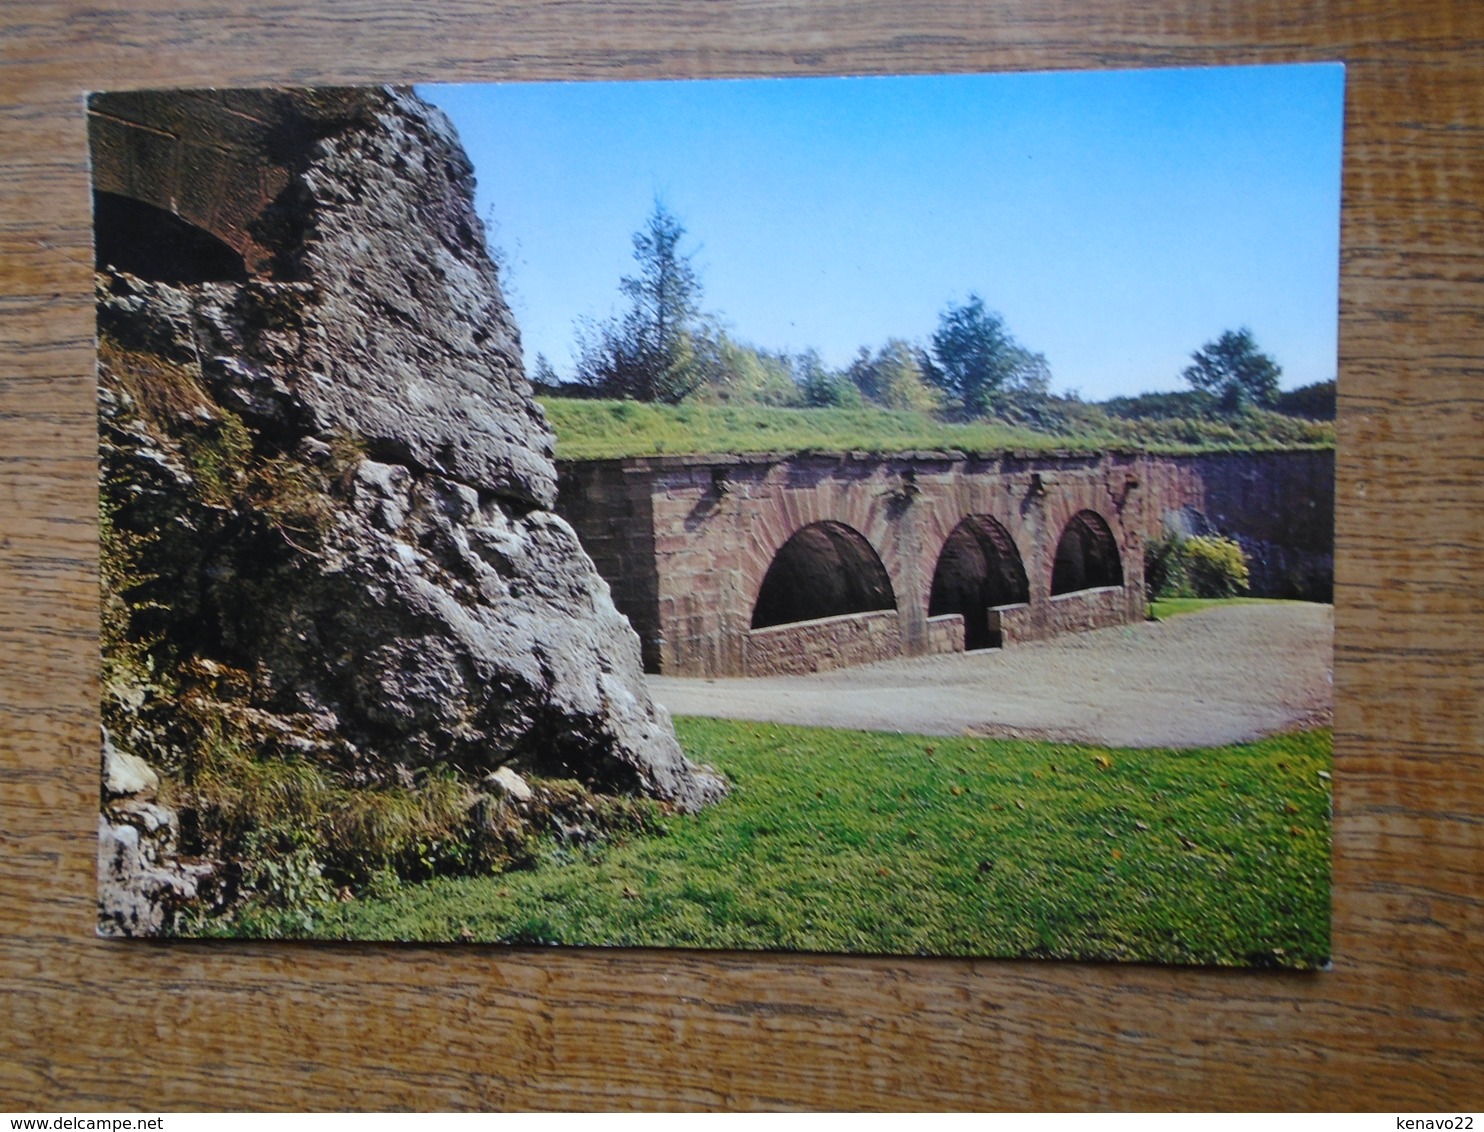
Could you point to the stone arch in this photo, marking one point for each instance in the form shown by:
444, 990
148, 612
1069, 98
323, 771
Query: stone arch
775, 502
825, 569
153, 243
1086, 556
978, 569
214, 159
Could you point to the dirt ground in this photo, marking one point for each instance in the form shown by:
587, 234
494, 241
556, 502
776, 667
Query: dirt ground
1201, 679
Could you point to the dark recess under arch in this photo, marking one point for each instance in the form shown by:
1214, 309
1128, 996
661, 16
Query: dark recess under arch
1086, 556
141, 239
824, 570
978, 569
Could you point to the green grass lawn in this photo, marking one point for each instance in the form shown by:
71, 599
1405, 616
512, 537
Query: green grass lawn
597, 429
1162, 609
873, 842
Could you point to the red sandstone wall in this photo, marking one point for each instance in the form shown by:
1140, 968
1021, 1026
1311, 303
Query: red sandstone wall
718, 522
1279, 505
185, 152
685, 541
611, 510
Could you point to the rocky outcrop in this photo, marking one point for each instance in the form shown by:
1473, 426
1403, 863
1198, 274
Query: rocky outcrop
330, 479
142, 882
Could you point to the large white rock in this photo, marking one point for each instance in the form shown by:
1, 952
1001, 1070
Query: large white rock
508, 782
125, 774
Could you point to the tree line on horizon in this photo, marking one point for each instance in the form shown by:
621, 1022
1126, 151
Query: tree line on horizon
664, 348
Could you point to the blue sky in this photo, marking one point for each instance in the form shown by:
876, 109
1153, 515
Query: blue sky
1117, 220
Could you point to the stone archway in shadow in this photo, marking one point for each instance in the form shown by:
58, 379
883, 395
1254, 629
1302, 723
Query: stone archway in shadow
1087, 556
142, 239
978, 569
824, 570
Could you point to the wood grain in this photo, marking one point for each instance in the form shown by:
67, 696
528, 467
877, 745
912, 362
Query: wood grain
1398, 1023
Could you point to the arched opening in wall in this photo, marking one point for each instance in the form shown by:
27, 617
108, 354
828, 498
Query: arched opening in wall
824, 570
1086, 556
152, 243
979, 569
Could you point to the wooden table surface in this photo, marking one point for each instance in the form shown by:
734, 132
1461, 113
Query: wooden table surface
1397, 1024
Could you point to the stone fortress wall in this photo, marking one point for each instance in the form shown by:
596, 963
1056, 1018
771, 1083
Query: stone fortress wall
944, 550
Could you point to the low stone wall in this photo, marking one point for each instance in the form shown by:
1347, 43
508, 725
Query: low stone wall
945, 633
1014, 623
1007, 624
830, 642
1086, 609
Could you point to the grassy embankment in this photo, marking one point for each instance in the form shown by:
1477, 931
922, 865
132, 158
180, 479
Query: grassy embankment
588, 430
873, 842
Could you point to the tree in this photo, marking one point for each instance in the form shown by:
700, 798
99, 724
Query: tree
544, 375
733, 371
649, 354
1233, 369
895, 377
822, 387
977, 359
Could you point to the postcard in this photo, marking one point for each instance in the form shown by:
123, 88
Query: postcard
885, 515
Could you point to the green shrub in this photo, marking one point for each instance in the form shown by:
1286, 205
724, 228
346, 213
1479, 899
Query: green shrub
1216, 566
1199, 566
1164, 567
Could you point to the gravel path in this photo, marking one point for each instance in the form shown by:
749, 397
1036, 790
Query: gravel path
1201, 679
